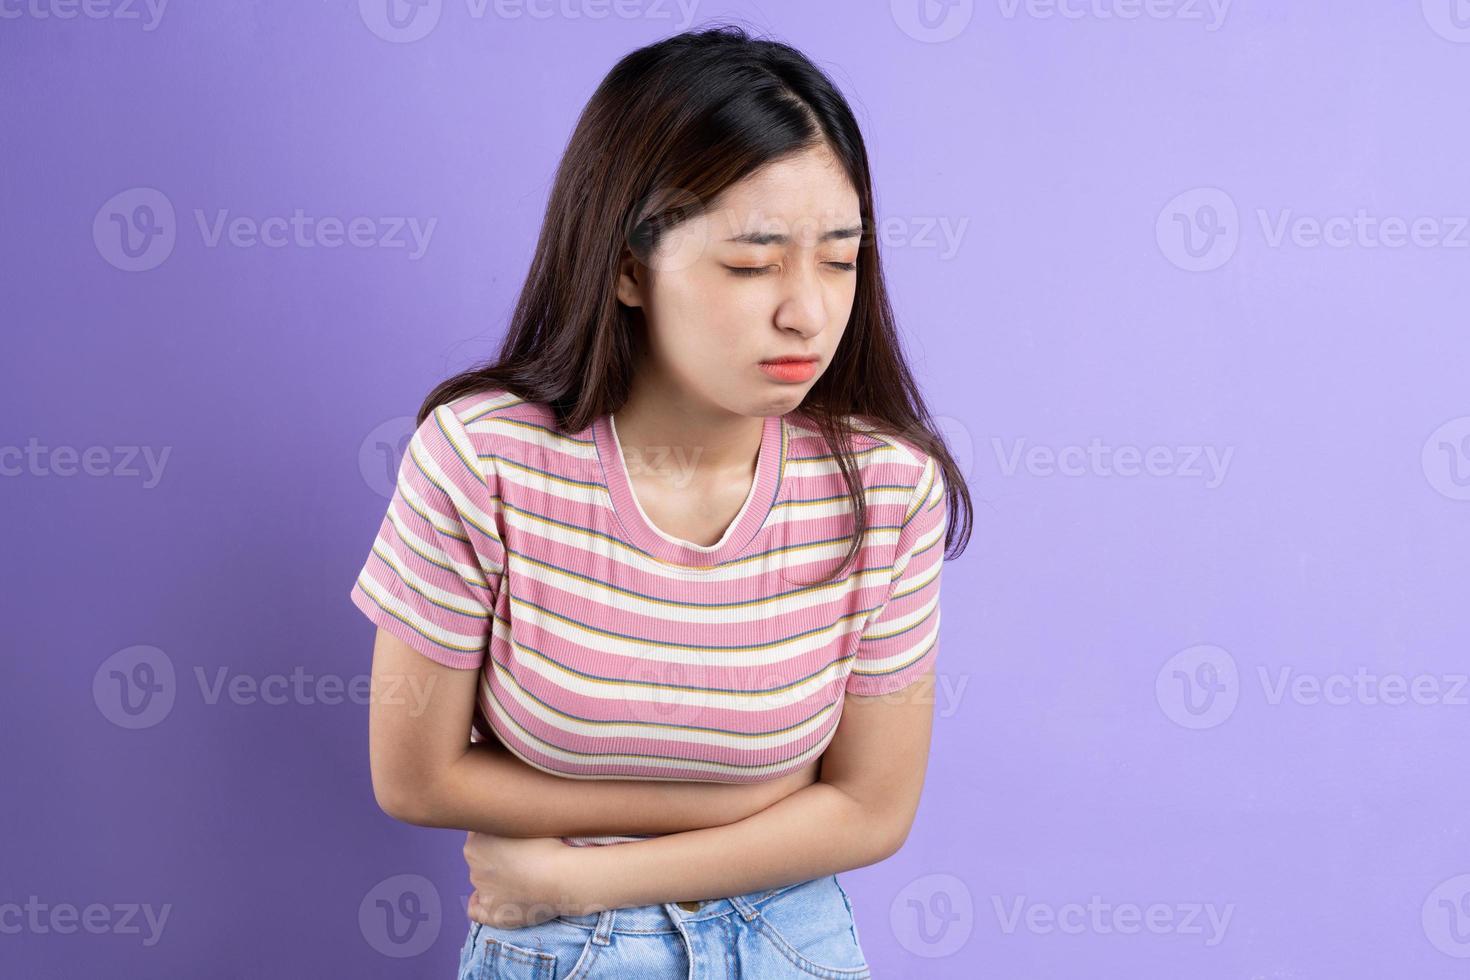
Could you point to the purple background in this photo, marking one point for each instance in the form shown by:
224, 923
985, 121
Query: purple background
1070, 760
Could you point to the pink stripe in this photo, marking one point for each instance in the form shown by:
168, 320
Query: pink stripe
868, 602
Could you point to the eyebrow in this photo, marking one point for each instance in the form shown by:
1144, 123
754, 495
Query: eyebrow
773, 238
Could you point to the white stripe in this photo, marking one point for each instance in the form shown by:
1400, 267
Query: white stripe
707, 770
656, 724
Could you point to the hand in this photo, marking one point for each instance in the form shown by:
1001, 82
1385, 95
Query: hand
518, 881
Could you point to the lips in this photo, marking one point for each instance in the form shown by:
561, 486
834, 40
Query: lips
791, 370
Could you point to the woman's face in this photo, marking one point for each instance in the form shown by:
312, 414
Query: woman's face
767, 272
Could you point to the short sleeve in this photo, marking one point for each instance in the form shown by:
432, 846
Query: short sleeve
435, 567
900, 641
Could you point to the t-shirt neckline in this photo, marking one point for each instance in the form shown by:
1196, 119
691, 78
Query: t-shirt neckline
742, 530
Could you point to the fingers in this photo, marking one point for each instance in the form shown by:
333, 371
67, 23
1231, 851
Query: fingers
482, 909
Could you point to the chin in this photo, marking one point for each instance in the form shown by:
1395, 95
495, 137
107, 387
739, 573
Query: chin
765, 400
784, 399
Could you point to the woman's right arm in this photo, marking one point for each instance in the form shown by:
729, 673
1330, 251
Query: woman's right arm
426, 771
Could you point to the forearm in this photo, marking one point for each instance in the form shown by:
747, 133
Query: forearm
491, 791
815, 831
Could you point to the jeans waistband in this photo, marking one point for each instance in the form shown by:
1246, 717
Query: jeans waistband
662, 917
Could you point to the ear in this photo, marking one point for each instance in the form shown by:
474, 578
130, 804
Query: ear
632, 280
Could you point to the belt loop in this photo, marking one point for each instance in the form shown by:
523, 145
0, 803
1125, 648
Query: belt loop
602, 935
743, 906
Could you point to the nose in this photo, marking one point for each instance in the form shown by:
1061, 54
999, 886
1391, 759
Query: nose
802, 307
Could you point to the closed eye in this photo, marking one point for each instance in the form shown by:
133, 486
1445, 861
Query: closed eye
760, 270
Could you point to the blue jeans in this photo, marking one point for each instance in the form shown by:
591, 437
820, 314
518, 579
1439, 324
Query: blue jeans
800, 930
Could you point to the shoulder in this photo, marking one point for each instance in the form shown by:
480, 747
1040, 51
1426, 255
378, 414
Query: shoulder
480, 410
885, 459
520, 441
498, 420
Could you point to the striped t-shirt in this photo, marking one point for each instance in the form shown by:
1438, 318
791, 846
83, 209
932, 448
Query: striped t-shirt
609, 649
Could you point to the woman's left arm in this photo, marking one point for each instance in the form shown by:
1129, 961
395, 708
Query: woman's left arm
857, 813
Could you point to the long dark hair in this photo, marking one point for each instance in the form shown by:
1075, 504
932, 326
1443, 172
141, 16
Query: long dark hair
670, 127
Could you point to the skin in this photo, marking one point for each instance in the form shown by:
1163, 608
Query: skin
699, 391
699, 395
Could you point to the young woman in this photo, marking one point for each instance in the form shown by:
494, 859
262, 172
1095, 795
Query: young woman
672, 561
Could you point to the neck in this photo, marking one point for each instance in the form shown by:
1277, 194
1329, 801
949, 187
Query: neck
697, 438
